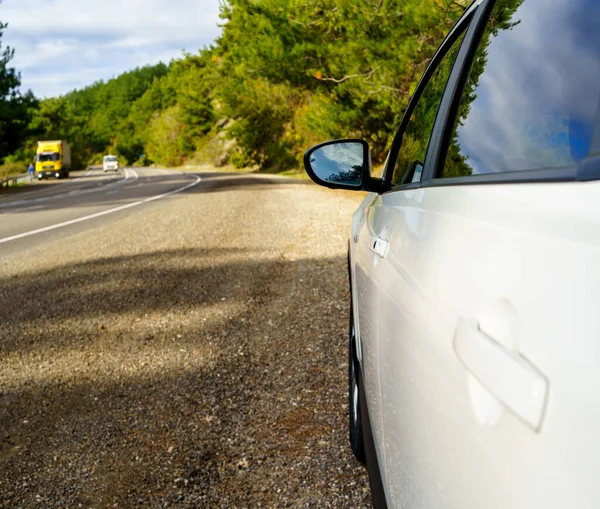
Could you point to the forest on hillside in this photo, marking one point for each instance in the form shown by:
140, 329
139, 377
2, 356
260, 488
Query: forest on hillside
284, 75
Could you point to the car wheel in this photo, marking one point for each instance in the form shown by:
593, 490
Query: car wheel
356, 426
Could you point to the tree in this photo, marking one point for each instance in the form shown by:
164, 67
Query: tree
284, 75
16, 109
340, 68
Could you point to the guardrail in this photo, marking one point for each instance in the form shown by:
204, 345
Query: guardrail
16, 179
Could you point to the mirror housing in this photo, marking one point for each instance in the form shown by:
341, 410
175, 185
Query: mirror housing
342, 164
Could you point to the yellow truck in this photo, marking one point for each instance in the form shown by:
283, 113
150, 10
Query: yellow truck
53, 159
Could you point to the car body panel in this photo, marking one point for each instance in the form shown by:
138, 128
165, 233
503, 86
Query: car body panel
366, 311
518, 259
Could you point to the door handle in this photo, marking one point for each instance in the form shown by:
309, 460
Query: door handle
505, 373
379, 246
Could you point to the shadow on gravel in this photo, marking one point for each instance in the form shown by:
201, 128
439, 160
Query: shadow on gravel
196, 378
105, 288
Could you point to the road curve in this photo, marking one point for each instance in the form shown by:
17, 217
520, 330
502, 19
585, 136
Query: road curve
87, 200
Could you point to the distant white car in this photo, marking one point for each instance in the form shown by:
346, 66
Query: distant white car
474, 265
110, 163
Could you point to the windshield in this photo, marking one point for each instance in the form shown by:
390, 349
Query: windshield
48, 156
110, 159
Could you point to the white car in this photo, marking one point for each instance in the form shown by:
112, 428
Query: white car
475, 270
110, 163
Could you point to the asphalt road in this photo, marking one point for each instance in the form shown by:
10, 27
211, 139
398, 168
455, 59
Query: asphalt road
55, 209
175, 340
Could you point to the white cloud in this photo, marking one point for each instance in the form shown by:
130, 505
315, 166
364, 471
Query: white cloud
66, 44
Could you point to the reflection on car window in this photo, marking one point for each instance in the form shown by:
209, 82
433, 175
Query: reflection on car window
532, 96
411, 158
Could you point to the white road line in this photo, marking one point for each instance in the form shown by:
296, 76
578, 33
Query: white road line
100, 214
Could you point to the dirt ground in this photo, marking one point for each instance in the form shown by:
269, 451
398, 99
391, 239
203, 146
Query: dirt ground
191, 353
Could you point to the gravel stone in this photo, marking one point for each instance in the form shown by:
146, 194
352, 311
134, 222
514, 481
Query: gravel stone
188, 353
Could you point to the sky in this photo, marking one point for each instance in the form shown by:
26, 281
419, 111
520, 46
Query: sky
61, 45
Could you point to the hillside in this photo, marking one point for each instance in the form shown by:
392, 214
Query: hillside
284, 74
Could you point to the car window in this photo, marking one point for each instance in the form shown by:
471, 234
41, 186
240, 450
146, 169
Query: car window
532, 96
411, 158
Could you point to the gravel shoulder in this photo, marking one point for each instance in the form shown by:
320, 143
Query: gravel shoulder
190, 354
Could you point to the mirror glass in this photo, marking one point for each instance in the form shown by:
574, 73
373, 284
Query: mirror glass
339, 163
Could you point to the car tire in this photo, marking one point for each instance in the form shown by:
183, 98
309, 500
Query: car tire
355, 418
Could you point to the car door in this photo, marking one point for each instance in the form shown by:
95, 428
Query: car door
487, 288
372, 222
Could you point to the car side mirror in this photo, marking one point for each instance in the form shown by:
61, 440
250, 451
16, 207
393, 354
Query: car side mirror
341, 164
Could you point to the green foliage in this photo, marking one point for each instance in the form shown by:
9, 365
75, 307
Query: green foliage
97, 118
151, 114
10, 168
325, 69
262, 114
283, 75
16, 109
165, 140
